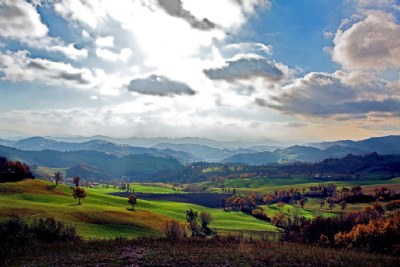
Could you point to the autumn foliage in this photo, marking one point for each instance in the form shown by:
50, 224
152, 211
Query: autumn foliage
381, 234
13, 171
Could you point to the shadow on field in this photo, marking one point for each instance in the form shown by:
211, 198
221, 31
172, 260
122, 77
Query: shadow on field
203, 199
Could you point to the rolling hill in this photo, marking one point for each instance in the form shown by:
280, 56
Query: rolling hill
139, 167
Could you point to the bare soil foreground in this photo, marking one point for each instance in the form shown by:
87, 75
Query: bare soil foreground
204, 199
220, 251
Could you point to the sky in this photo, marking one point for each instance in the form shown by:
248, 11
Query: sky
222, 69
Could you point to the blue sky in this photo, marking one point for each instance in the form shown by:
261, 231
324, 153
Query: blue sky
225, 69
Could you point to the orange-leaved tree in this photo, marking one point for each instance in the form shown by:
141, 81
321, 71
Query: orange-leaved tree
79, 193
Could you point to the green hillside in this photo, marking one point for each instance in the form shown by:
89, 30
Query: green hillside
105, 216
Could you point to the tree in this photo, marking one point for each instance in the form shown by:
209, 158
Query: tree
191, 215
331, 203
57, 177
191, 218
322, 203
79, 193
343, 205
132, 199
279, 220
205, 219
302, 203
76, 181
393, 205
378, 208
268, 199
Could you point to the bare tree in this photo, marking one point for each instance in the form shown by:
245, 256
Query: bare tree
57, 177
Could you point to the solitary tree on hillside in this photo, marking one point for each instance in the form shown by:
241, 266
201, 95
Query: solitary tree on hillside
57, 177
76, 181
79, 193
132, 199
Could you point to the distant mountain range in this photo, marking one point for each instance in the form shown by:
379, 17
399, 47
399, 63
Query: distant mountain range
186, 152
387, 145
40, 143
91, 163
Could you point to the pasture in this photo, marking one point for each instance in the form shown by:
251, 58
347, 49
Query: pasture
106, 216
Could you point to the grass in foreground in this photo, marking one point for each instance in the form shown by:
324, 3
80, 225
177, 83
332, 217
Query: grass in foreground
225, 251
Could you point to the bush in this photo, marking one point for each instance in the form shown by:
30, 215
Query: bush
173, 230
16, 231
260, 214
49, 230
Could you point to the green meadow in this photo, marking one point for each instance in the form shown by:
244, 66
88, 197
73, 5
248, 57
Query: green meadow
105, 216
265, 185
102, 215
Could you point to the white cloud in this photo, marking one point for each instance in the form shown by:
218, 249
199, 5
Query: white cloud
372, 43
107, 41
250, 47
109, 55
18, 66
19, 20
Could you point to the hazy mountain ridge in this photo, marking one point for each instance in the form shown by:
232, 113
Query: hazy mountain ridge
138, 167
194, 152
206, 153
295, 153
383, 145
40, 143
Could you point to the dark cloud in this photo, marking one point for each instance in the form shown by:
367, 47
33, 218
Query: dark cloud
325, 95
58, 74
261, 102
159, 85
175, 9
76, 77
246, 68
36, 65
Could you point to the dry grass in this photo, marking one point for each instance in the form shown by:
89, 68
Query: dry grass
226, 251
30, 186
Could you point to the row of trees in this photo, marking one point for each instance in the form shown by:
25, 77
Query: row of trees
370, 228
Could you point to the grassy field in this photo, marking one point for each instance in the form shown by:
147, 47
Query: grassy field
105, 216
156, 188
269, 185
